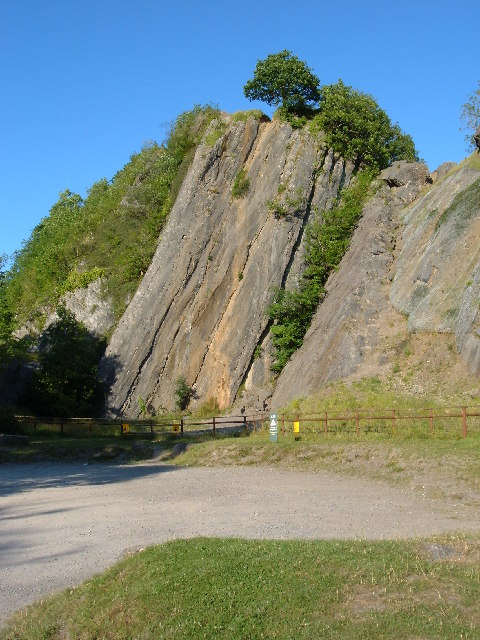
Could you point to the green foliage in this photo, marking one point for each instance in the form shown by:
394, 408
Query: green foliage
66, 383
241, 184
470, 117
183, 393
284, 206
283, 79
215, 132
6, 316
359, 130
326, 240
243, 116
81, 279
113, 232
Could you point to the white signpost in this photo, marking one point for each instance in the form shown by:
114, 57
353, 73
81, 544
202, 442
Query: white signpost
273, 427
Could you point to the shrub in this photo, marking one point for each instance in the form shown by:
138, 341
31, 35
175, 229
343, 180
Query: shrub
326, 240
241, 185
183, 393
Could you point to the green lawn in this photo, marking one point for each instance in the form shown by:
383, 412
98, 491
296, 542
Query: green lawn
238, 589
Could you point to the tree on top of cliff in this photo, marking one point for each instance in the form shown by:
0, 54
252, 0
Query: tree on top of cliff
357, 128
282, 79
470, 116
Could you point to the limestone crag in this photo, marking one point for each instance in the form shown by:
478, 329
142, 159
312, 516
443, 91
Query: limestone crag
345, 330
200, 309
437, 278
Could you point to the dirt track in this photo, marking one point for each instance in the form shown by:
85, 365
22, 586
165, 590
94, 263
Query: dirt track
61, 523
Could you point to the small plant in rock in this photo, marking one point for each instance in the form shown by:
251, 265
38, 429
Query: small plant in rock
241, 185
183, 393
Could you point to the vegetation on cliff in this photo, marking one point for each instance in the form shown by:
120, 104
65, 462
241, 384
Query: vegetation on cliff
470, 118
112, 233
327, 239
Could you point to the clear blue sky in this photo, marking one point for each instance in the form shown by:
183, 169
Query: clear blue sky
85, 84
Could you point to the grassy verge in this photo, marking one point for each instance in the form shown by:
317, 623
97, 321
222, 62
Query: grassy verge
57, 448
208, 588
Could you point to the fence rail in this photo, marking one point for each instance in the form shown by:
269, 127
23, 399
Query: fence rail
458, 419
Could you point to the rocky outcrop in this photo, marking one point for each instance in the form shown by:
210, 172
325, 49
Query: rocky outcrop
476, 138
200, 309
345, 330
437, 279
89, 306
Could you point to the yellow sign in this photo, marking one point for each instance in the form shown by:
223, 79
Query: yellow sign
176, 428
296, 427
125, 428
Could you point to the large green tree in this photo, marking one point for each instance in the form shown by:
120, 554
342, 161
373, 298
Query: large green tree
66, 382
358, 129
283, 80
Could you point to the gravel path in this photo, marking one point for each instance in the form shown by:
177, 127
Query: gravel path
62, 523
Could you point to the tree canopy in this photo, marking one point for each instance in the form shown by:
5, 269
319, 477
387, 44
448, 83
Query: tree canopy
359, 130
66, 382
283, 80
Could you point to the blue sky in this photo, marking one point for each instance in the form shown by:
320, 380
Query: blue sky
85, 84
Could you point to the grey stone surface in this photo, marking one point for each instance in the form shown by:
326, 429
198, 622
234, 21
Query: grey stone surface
344, 332
200, 309
437, 279
441, 171
89, 307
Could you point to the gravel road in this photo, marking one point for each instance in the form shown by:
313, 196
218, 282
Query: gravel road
62, 523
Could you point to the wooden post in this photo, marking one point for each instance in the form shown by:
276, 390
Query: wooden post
245, 423
181, 426
283, 425
326, 422
214, 430
357, 423
464, 421
394, 420
431, 421
90, 425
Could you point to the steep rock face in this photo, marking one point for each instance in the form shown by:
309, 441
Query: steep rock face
344, 331
200, 309
416, 252
437, 279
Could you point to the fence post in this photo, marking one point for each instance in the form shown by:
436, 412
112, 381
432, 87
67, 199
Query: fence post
464, 421
431, 421
90, 425
151, 427
214, 430
61, 427
181, 426
394, 420
357, 423
283, 425
326, 422
245, 424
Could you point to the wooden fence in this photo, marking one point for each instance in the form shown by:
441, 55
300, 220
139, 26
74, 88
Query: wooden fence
460, 420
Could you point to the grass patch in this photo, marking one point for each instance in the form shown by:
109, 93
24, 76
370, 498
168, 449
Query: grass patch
243, 116
58, 448
213, 588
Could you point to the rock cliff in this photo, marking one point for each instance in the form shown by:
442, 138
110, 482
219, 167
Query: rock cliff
415, 252
200, 311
